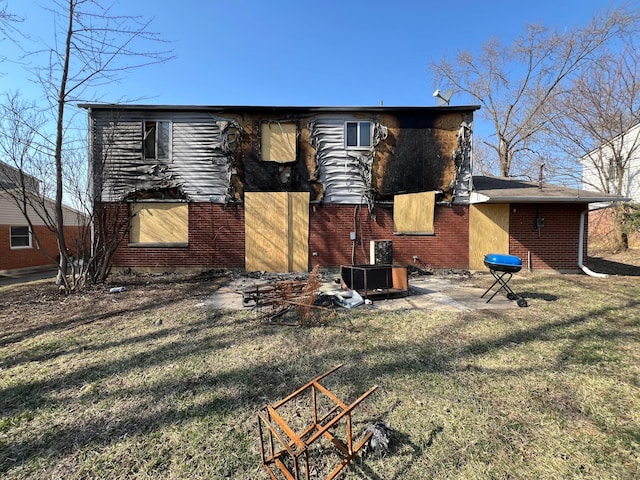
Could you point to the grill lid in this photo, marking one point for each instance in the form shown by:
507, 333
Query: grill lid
500, 261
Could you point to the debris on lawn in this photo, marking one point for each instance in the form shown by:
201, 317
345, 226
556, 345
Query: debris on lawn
301, 299
299, 437
118, 289
348, 299
380, 436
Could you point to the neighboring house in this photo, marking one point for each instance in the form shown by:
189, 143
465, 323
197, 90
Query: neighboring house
599, 173
19, 249
288, 188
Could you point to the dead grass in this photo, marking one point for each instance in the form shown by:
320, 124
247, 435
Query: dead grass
146, 384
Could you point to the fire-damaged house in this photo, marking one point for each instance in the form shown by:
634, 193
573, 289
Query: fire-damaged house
283, 189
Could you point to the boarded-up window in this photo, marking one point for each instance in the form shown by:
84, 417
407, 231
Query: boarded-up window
278, 141
413, 213
160, 223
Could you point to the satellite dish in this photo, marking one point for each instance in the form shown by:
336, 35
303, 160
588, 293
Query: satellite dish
443, 98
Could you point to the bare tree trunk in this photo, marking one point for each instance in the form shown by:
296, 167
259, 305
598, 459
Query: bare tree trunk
62, 245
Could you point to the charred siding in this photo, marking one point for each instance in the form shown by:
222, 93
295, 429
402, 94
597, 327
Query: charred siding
216, 155
200, 164
418, 156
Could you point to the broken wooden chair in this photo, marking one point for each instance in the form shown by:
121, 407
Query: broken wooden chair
285, 447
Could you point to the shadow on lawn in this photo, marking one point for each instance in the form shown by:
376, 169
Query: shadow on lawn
151, 304
611, 267
248, 386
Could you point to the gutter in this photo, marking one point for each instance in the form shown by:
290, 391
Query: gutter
476, 197
583, 267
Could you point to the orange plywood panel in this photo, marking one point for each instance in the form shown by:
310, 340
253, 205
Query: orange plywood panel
156, 222
488, 232
413, 212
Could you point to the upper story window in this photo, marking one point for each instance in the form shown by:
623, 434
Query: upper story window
357, 134
20, 237
157, 139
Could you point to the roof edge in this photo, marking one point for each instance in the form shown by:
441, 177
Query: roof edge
274, 108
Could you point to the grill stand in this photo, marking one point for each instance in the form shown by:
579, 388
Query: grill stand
504, 285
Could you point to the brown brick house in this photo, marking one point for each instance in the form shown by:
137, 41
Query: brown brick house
288, 188
23, 247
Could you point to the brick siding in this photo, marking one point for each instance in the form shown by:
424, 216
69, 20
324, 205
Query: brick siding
330, 226
216, 238
13, 259
555, 245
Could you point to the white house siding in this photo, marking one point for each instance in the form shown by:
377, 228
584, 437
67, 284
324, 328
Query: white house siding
592, 179
11, 215
344, 173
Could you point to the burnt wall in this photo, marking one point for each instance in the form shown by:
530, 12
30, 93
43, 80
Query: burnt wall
417, 155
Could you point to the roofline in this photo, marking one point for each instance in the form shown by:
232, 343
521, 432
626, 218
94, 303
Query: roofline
265, 108
477, 197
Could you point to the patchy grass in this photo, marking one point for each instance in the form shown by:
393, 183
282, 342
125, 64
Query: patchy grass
146, 384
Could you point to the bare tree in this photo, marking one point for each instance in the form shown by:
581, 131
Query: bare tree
598, 132
514, 83
92, 47
599, 110
7, 23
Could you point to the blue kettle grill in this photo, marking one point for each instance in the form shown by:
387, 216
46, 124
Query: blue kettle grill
502, 268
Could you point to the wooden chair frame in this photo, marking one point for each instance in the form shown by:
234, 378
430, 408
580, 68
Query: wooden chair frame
279, 441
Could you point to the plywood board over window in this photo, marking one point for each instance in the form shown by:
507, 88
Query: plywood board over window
278, 142
156, 223
413, 213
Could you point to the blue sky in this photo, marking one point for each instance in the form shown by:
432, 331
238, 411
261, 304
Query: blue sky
297, 52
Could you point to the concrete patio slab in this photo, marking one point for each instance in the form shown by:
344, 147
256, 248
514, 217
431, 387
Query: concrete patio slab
427, 292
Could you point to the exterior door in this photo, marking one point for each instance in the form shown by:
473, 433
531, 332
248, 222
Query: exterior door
277, 231
488, 232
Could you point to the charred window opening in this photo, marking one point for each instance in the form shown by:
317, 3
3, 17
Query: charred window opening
156, 139
160, 193
357, 134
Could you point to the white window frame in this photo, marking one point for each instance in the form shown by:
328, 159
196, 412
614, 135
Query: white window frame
358, 145
11, 237
155, 147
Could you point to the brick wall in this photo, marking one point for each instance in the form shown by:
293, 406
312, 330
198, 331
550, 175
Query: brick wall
330, 226
554, 246
216, 239
31, 257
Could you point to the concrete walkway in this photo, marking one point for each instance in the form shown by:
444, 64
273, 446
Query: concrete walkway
17, 277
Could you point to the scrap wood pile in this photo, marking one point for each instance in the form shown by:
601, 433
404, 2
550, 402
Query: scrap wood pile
289, 302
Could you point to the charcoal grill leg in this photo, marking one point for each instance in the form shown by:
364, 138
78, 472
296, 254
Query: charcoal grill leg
499, 279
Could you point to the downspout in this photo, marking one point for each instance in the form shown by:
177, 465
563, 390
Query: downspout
584, 268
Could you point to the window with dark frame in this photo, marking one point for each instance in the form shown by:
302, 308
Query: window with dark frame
357, 134
20, 237
157, 138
